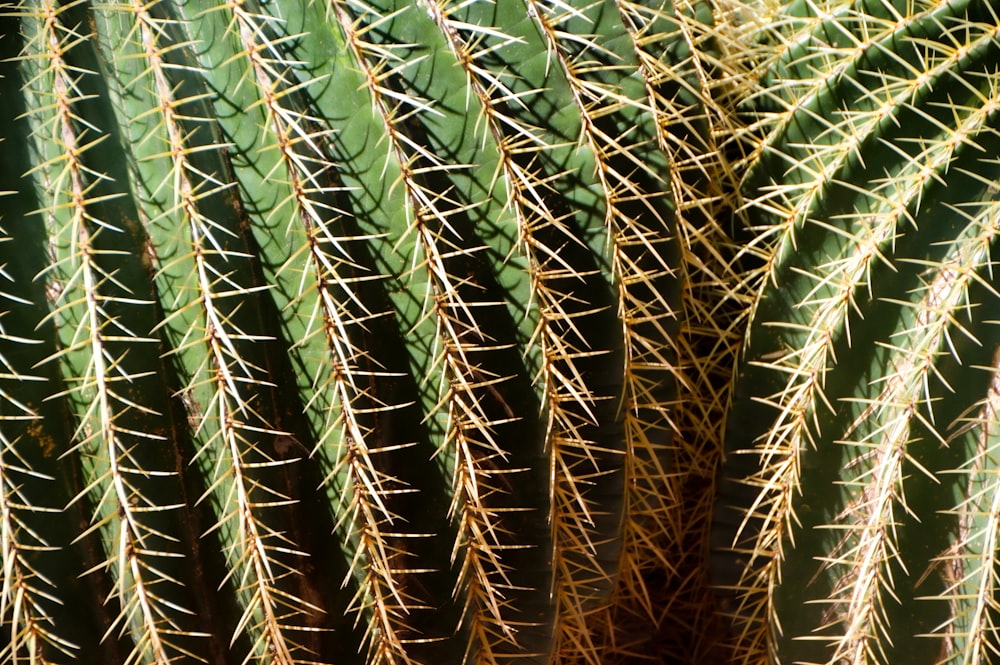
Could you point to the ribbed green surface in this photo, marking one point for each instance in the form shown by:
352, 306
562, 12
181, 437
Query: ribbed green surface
860, 438
418, 331
336, 332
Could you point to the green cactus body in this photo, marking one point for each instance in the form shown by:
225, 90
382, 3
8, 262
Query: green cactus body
340, 332
863, 403
409, 331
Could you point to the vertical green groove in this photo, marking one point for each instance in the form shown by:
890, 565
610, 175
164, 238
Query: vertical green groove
531, 163
691, 349
397, 446
451, 250
632, 172
40, 562
196, 246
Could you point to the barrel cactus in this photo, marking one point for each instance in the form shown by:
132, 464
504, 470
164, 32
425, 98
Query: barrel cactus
858, 517
355, 331
406, 331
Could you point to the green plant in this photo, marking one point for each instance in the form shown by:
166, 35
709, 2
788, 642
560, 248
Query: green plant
412, 331
862, 456
355, 330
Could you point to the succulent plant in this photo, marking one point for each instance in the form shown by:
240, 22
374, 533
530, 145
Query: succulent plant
862, 439
412, 331
355, 331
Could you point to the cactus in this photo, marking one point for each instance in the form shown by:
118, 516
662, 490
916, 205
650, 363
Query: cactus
412, 331
355, 331
861, 441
